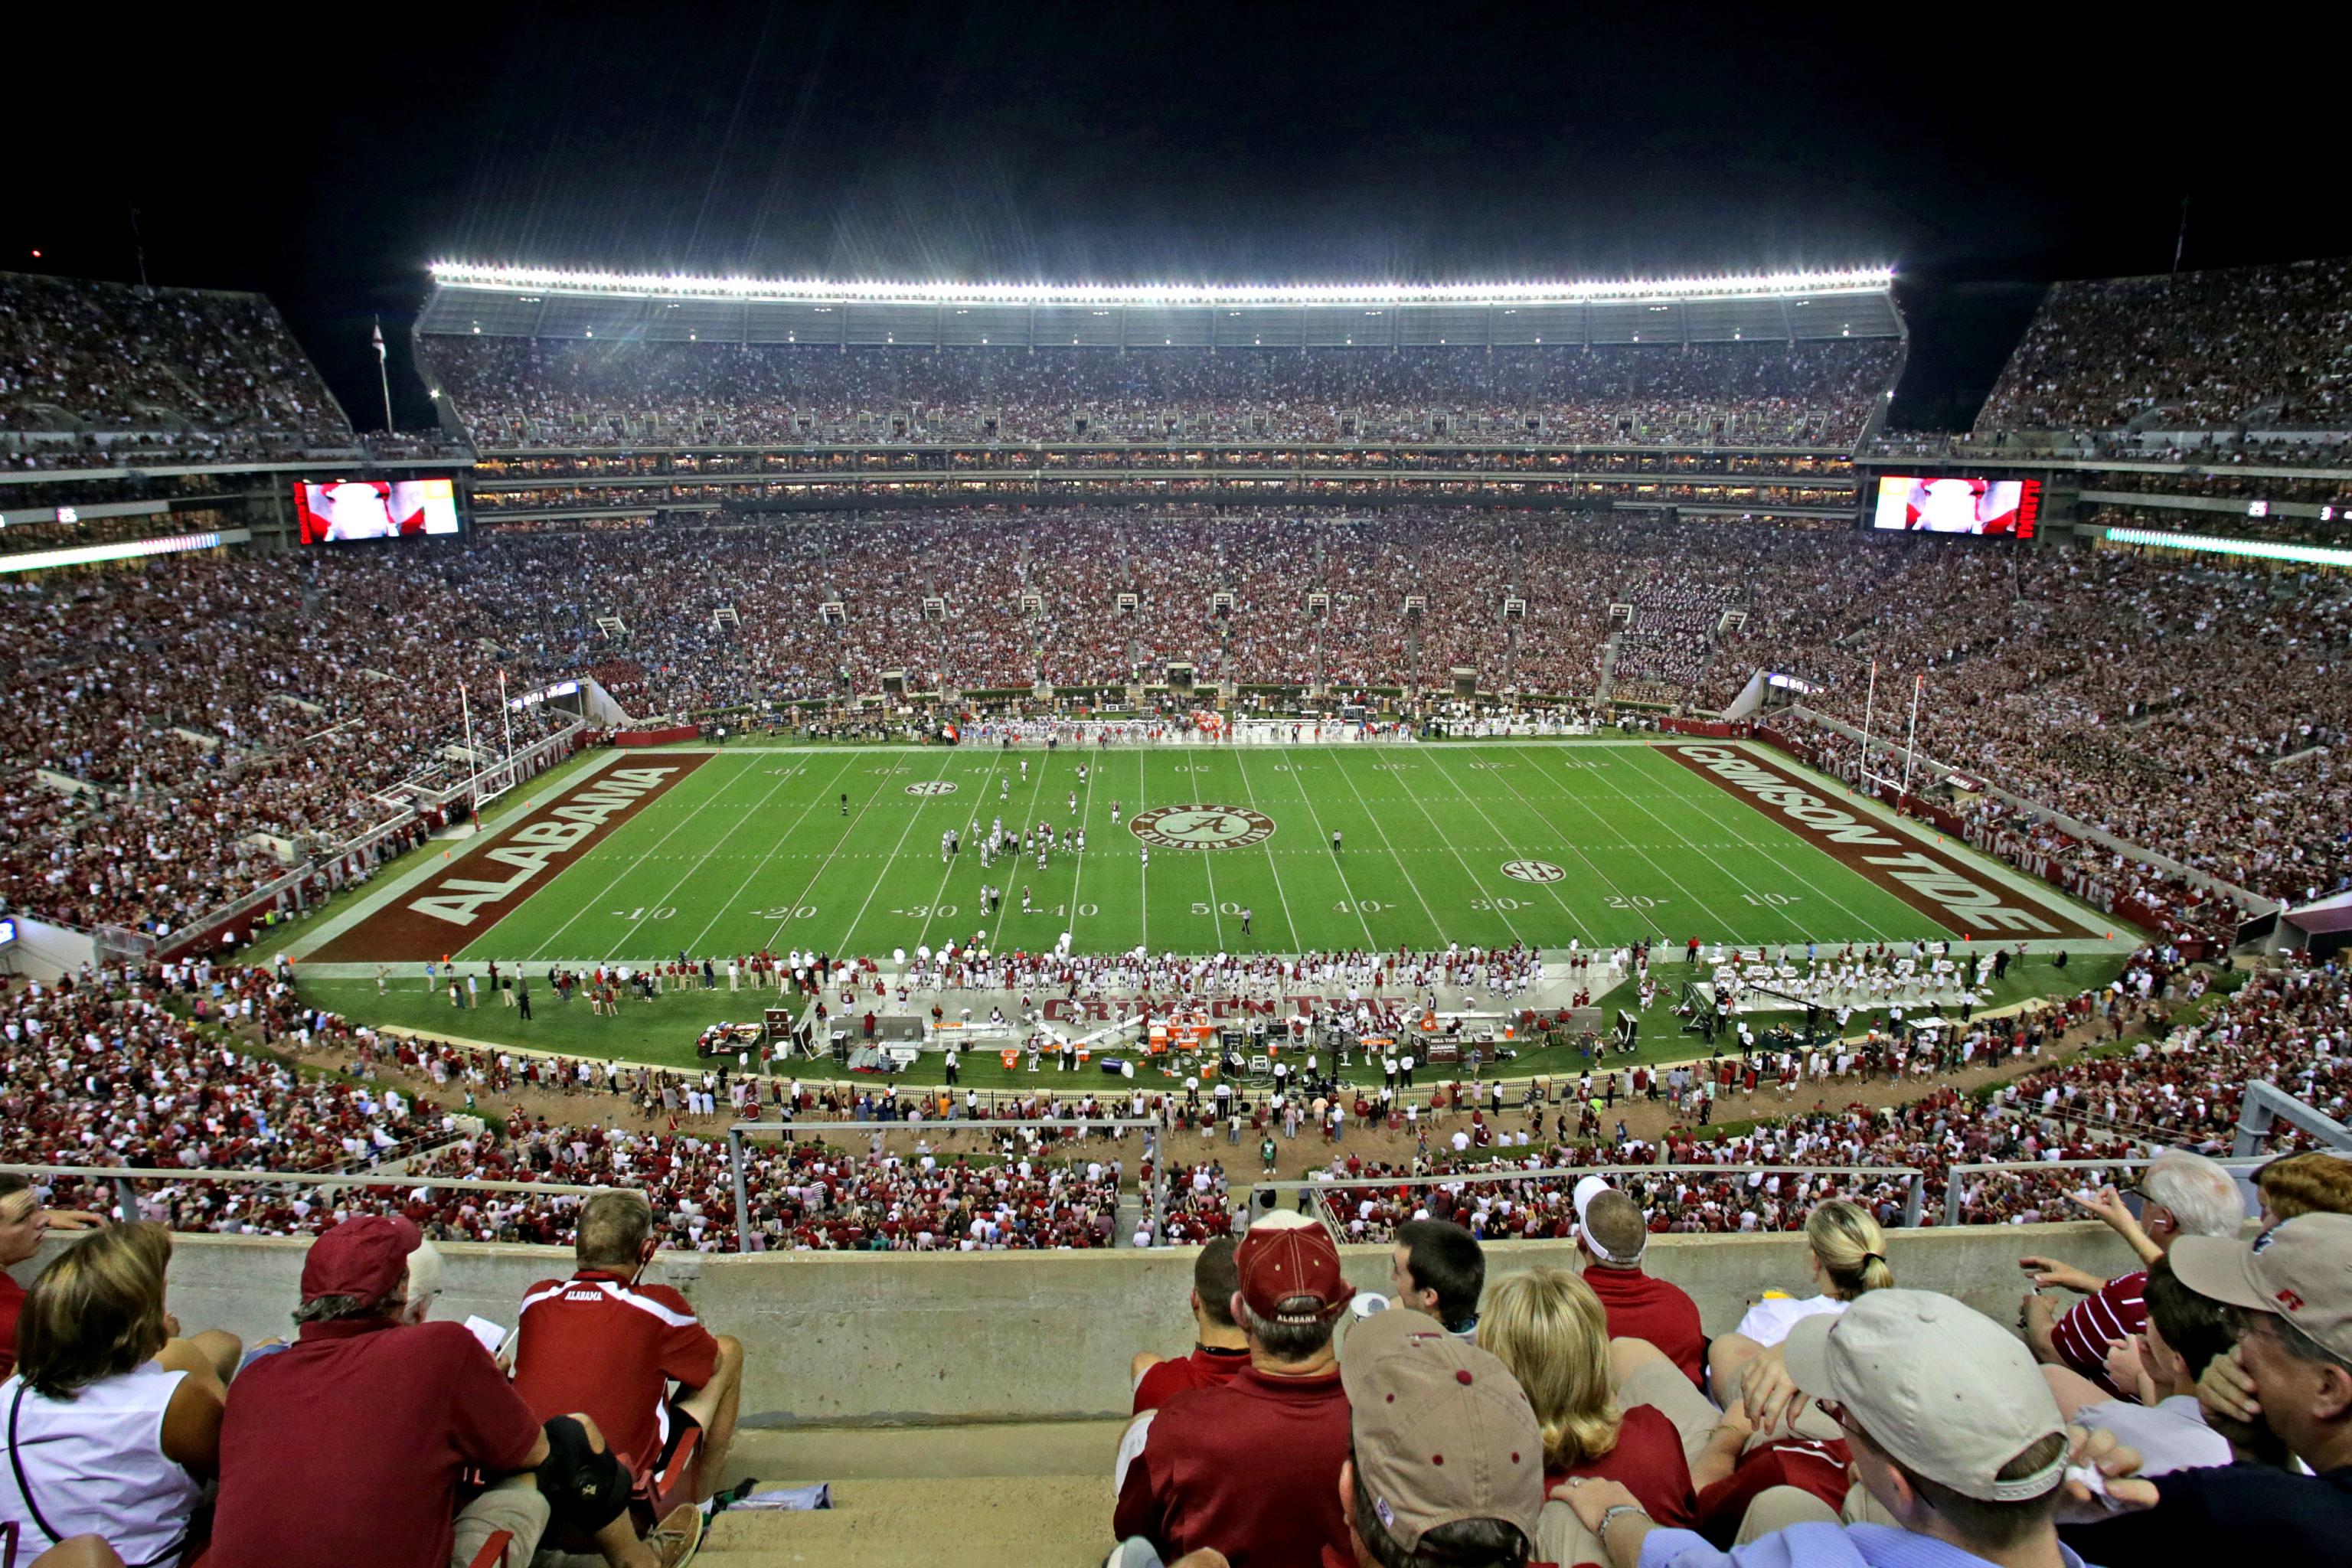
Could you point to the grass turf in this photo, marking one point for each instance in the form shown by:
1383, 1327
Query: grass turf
753, 850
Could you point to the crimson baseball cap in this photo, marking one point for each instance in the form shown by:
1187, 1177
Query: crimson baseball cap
1442, 1431
1286, 1260
366, 1258
2300, 1269
1937, 1385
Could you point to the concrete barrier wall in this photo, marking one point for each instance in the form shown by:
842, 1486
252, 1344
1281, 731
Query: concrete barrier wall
867, 1339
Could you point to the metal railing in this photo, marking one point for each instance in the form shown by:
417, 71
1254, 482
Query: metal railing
817, 1131
125, 1178
1914, 1199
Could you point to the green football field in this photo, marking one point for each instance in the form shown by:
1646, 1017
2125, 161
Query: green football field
1479, 844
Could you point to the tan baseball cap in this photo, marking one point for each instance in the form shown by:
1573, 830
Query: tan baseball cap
1937, 1385
2300, 1269
1443, 1431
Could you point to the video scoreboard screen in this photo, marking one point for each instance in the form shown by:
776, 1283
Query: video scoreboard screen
1994, 508
345, 510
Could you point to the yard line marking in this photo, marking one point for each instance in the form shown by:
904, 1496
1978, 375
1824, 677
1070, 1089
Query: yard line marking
780, 839
1315, 817
867, 805
781, 779
1590, 864
1267, 844
1509, 923
1513, 848
1035, 789
1725, 866
912, 817
1086, 807
1143, 892
1707, 796
1696, 903
623, 874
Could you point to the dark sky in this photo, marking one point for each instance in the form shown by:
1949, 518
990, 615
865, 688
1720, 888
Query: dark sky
1981, 151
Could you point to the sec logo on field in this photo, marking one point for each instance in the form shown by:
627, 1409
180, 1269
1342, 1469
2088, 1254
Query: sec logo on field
933, 786
1532, 871
1201, 826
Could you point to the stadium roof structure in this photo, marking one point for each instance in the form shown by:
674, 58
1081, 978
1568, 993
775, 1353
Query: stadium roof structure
553, 302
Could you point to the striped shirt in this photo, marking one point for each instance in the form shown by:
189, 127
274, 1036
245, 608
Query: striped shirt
2117, 1311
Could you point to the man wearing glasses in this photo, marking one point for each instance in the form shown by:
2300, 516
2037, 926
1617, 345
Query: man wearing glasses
2291, 1370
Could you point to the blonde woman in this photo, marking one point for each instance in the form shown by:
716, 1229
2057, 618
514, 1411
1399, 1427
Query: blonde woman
1846, 1257
1547, 1327
111, 1425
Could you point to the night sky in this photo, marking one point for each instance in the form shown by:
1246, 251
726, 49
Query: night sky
1982, 152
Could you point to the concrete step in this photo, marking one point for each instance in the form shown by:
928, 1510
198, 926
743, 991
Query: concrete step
973, 1522
1036, 1495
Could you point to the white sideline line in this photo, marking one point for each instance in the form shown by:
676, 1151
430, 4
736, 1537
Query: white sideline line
703, 858
912, 816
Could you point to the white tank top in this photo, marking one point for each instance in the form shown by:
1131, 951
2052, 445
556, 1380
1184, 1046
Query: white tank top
95, 1465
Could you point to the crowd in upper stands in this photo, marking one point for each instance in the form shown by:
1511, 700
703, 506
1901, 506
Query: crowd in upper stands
2261, 346
189, 374
526, 392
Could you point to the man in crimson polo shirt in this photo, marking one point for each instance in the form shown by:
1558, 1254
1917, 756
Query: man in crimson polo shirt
347, 1446
1221, 1348
1612, 1235
605, 1343
1250, 1466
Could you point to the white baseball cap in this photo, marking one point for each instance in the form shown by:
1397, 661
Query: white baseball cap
1938, 1385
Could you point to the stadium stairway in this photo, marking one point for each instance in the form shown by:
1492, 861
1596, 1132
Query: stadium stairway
1035, 1495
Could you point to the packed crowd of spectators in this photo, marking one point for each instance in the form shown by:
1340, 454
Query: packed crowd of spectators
2191, 351
518, 392
189, 373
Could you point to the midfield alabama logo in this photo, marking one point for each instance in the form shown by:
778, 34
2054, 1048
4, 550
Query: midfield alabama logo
1532, 871
933, 786
1917, 872
1201, 826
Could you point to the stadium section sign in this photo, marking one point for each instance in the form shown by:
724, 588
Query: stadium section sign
1923, 876
451, 909
1201, 826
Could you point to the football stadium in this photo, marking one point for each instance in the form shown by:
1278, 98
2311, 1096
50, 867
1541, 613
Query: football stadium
1058, 921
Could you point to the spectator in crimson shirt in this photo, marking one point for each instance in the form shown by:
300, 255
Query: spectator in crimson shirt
350, 1445
1220, 1350
24, 1225
2183, 1194
605, 1343
1250, 1467
1614, 1237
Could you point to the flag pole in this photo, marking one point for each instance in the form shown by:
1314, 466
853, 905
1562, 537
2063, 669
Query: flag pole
1868, 697
1911, 742
506, 720
383, 375
473, 763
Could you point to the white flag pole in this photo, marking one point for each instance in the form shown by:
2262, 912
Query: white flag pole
1868, 697
383, 377
1911, 742
473, 763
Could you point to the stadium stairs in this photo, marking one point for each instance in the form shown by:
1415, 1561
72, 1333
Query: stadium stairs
1036, 1495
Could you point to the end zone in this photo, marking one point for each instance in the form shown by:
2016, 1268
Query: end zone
1930, 880
457, 904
